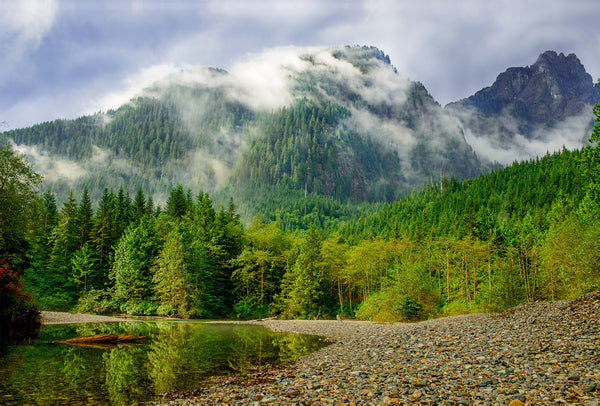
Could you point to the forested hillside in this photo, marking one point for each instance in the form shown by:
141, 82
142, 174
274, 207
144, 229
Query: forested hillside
345, 125
323, 219
523, 233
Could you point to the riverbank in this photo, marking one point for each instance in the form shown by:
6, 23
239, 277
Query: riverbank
538, 353
68, 318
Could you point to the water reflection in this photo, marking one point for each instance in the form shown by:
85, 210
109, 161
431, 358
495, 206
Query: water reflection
173, 357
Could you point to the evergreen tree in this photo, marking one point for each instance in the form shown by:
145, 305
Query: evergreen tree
82, 265
177, 204
85, 218
103, 238
131, 269
301, 289
172, 284
139, 206
67, 242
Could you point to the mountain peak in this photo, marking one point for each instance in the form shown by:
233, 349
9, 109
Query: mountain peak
551, 58
549, 102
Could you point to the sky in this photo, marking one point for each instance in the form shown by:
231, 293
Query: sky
67, 58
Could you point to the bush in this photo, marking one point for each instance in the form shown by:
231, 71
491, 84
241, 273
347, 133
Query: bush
455, 307
19, 318
97, 301
142, 308
57, 302
166, 310
409, 308
392, 304
245, 309
378, 306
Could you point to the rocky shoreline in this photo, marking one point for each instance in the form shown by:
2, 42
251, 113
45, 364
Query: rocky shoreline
543, 353
68, 318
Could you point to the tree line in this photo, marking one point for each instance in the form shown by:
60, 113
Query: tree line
523, 233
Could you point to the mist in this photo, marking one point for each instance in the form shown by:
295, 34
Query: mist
51, 167
498, 145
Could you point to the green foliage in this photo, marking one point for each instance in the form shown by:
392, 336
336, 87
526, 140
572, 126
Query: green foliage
171, 279
527, 232
18, 183
131, 270
18, 214
378, 306
18, 316
302, 282
409, 307
97, 301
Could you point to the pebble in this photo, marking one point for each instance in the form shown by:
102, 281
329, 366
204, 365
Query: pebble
542, 353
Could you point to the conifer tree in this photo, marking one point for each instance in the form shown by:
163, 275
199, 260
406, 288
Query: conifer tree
85, 218
67, 242
131, 269
139, 206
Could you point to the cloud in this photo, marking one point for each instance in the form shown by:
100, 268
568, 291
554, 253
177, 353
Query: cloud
264, 81
91, 51
456, 49
493, 144
51, 167
131, 86
26, 22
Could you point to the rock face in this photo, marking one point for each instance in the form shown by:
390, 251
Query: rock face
547, 104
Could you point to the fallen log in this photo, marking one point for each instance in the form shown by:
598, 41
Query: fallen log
100, 339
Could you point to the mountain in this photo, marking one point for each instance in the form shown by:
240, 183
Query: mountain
530, 110
321, 123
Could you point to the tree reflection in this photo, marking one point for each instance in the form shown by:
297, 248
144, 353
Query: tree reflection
125, 379
293, 346
177, 357
74, 367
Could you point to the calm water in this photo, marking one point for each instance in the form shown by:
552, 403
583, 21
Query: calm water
175, 356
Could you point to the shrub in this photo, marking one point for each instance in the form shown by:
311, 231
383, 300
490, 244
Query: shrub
141, 308
96, 301
378, 306
409, 308
19, 318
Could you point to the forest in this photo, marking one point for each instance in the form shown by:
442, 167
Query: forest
522, 233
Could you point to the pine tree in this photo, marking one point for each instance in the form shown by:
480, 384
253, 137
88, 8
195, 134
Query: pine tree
131, 269
171, 280
177, 204
139, 206
301, 289
103, 237
65, 245
85, 218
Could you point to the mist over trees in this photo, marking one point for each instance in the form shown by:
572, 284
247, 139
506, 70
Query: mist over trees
524, 233
314, 229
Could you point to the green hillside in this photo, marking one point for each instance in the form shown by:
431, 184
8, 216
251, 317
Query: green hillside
323, 219
524, 233
353, 130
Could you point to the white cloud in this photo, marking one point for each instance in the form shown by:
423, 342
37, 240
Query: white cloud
571, 134
27, 21
51, 167
130, 86
264, 81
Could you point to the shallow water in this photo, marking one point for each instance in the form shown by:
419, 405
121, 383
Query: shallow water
175, 356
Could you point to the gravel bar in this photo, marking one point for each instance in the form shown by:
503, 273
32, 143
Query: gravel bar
543, 353
68, 318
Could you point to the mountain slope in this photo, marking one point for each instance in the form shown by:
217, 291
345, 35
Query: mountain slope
530, 110
338, 123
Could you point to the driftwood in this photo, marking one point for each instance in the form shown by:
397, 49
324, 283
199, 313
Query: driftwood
100, 340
